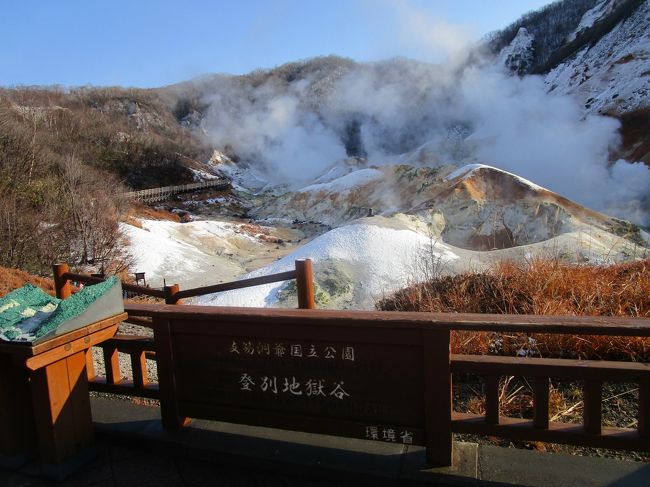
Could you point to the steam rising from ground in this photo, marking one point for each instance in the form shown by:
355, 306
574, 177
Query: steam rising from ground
297, 122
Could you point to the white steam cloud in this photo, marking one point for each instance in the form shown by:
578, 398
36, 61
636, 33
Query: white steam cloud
295, 130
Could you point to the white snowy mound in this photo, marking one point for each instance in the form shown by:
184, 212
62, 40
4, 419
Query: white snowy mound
379, 259
198, 253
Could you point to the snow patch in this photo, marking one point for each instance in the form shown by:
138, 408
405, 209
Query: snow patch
347, 182
612, 74
384, 259
517, 57
590, 17
200, 175
466, 171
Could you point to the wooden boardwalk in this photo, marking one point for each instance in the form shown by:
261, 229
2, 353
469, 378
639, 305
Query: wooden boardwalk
155, 195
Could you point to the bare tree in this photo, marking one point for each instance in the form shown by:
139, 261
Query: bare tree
92, 204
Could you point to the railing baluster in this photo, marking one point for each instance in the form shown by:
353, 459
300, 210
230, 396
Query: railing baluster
644, 410
61, 283
437, 397
492, 399
305, 284
540, 402
593, 398
112, 365
139, 369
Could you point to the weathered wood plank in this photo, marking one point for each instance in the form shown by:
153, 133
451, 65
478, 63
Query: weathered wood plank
586, 325
492, 399
229, 286
127, 343
566, 433
166, 375
78, 400
112, 365
139, 369
540, 367
403, 433
54, 418
540, 402
592, 392
17, 431
86, 279
74, 334
65, 350
437, 397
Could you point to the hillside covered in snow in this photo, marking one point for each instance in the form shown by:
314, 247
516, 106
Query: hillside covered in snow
533, 146
535, 142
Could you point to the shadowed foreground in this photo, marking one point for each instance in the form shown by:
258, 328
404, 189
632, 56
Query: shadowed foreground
132, 449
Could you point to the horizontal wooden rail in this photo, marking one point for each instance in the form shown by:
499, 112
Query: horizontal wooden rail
565, 433
86, 279
592, 373
206, 332
156, 293
557, 368
136, 320
164, 192
303, 274
239, 340
139, 349
585, 325
229, 286
130, 343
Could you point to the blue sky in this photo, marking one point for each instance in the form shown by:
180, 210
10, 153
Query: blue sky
148, 43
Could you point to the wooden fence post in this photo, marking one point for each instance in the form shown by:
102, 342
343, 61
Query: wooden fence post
305, 284
61, 284
492, 399
170, 294
169, 413
437, 397
592, 413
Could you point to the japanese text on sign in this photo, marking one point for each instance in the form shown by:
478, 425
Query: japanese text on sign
286, 385
280, 350
390, 435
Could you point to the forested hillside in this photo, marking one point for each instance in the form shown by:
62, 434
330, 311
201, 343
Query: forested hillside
65, 158
68, 154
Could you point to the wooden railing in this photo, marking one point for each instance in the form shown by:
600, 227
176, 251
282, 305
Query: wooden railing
141, 348
592, 374
418, 345
163, 193
421, 363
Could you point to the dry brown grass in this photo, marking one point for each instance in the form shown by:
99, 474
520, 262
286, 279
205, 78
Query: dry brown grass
542, 287
139, 210
11, 279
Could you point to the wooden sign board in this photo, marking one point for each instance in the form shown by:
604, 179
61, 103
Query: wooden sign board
355, 382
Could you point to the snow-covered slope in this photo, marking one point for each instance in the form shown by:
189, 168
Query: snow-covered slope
518, 55
358, 263
593, 15
202, 252
413, 192
611, 75
427, 221
362, 261
476, 207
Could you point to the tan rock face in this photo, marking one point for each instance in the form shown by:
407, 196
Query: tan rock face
480, 208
